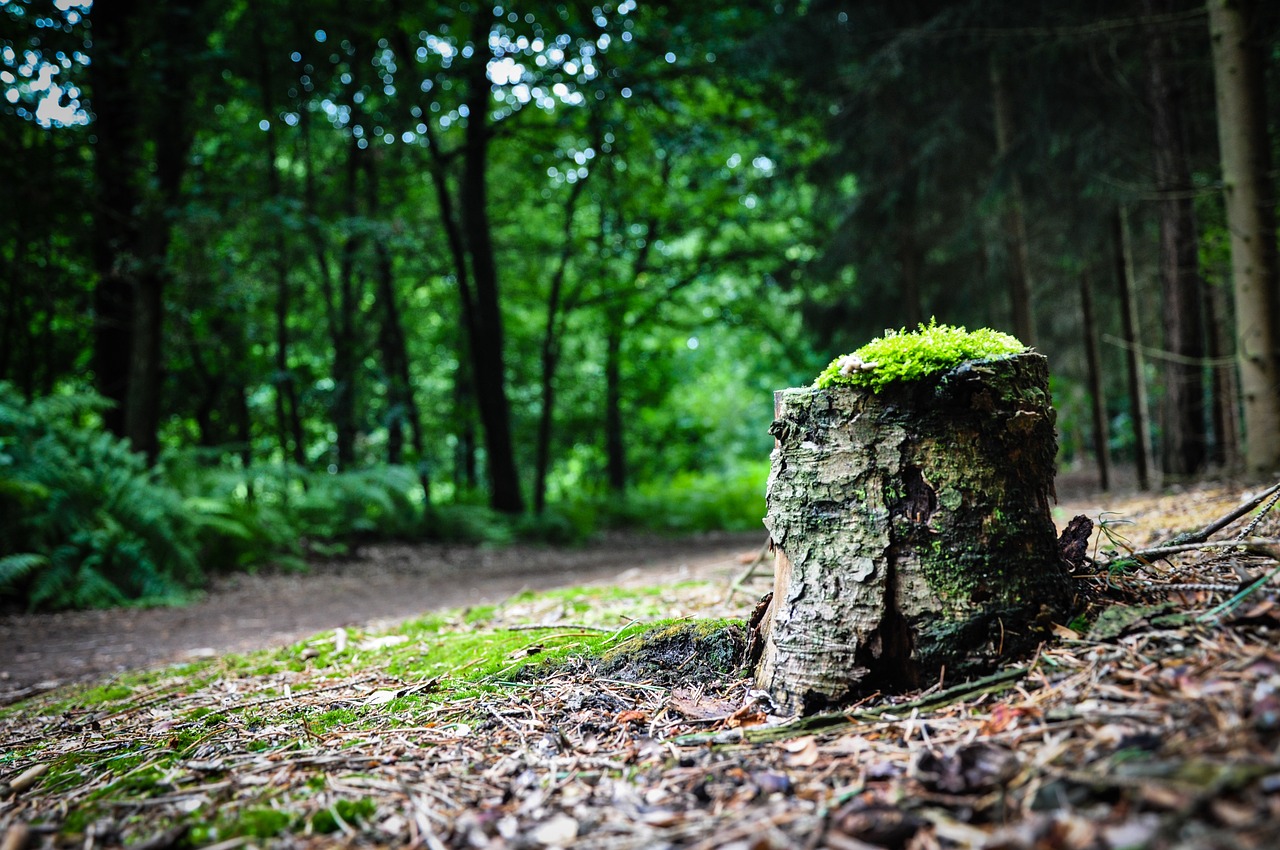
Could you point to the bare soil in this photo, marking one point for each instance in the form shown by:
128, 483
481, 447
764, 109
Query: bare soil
384, 584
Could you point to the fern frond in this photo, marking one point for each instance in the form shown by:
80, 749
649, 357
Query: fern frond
14, 567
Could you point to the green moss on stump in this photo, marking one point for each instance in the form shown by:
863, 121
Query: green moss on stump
910, 355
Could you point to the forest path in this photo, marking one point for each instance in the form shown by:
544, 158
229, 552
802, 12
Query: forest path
386, 583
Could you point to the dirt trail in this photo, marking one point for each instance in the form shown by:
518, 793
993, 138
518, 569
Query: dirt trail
385, 584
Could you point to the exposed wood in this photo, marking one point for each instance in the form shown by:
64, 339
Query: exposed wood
913, 531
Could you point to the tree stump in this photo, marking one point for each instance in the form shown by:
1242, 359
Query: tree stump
912, 531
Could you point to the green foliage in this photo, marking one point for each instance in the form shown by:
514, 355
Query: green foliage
908, 356
343, 812
683, 503
83, 522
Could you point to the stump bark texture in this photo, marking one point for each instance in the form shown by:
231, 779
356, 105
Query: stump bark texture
912, 531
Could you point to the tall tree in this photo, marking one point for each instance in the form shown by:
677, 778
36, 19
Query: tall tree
136, 120
1015, 223
1247, 185
1183, 419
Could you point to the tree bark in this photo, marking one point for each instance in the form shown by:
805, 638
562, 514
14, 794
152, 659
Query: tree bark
912, 530
1238, 71
343, 308
1015, 227
288, 419
1224, 389
615, 449
486, 337
1139, 414
116, 162
1183, 415
401, 404
549, 354
1093, 360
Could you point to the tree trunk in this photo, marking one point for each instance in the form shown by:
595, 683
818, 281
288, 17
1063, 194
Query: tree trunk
1139, 414
343, 309
909, 252
549, 354
465, 477
1224, 389
1183, 415
288, 419
116, 160
912, 530
402, 406
1238, 72
486, 337
1093, 360
1024, 327
614, 440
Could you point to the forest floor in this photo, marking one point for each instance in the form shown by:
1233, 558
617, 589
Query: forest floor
533, 723
377, 587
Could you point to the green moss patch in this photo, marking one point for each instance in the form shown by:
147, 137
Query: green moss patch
910, 355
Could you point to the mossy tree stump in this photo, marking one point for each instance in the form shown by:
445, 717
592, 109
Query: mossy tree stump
912, 531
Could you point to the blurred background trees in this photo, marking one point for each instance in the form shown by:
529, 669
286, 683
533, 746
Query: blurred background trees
471, 270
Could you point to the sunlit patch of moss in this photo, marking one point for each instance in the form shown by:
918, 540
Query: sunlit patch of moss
352, 812
910, 355
258, 822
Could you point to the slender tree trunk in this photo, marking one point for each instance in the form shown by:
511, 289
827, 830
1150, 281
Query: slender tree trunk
614, 438
909, 255
403, 407
288, 420
1238, 68
1015, 221
1093, 359
116, 161
142, 412
342, 316
1225, 451
1183, 416
549, 354
15, 313
1139, 413
465, 474
173, 58
486, 339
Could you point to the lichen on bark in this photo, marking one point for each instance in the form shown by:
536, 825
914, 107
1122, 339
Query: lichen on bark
913, 530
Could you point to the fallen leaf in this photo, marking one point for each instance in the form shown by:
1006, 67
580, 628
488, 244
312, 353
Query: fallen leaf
558, 831
380, 697
375, 643
748, 715
801, 752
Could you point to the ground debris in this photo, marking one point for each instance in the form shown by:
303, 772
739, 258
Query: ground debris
1156, 733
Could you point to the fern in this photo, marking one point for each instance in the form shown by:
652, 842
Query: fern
103, 526
14, 567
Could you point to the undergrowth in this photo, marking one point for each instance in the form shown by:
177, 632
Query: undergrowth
86, 523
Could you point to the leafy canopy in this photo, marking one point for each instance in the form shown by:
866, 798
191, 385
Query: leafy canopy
909, 355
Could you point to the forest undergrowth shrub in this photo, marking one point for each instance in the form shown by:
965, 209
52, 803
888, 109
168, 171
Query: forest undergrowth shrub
686, 502
84, 522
